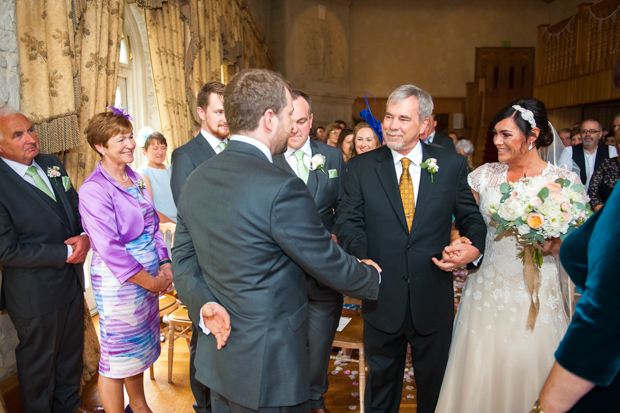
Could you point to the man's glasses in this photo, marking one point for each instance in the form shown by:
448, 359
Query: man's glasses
589, 131
335, 132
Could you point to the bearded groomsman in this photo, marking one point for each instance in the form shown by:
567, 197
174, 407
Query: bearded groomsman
211, 140
325, 183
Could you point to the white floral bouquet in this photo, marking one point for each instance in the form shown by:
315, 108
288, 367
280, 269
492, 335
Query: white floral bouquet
539, 208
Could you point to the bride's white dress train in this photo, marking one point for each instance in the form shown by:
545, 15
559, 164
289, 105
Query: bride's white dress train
496, 365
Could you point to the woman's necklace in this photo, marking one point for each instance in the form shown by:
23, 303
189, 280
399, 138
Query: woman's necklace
116, 179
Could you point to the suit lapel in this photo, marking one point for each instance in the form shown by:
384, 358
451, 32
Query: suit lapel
387, 176
204, 146
315, 178
61, 195
425, 190
32, 191
280, 160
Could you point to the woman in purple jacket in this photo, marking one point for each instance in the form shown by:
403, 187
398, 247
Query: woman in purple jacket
130, 264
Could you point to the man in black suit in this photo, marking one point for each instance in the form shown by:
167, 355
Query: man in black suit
588, 154
325, 185
398, 213
430, 135
251, 253
41, 251
211, 140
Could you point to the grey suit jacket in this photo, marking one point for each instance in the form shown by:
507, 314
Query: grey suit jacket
185, 159
33, 228
326, 190
250, 254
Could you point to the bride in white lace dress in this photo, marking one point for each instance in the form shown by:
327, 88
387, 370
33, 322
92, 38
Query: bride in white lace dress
496, 364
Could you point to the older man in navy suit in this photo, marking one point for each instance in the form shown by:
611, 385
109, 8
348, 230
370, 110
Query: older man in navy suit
41, 250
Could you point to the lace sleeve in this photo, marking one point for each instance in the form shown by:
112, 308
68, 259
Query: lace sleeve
595, 183
477, 177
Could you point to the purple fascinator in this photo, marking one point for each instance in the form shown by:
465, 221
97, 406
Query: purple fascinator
365, 114
123, 112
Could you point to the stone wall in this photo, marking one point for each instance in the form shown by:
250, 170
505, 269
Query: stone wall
9, 59
9, 95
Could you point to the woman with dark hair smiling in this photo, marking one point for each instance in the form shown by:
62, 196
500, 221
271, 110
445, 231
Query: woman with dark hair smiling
502, 346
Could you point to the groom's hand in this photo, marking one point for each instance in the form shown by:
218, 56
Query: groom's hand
457, 255
217, 320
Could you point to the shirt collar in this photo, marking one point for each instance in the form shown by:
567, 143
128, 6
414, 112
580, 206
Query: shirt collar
213, 141
254, 142
415, 155
431, 137
306, 149
19, 168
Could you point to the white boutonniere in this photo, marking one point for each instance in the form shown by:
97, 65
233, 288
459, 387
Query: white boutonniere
141, 185
431, 166
53, 172
317, 162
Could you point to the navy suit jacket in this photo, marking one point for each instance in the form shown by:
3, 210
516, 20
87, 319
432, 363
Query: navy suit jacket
185, 159
33, 228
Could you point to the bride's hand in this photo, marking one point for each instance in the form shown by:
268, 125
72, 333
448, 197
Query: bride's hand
552, 245
451, 253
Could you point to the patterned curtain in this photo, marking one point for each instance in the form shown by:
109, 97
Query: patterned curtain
69, 52
189, 40
166, 34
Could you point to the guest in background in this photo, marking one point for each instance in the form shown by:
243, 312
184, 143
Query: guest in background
589, 155
610, 139
345, 143
454, 137
565, 135
364, 139
616, 122
343, 124
575, 136
130, 264
320, 134
430, 135
333, 132
466, 148
585, 375
156, 176
604, 179
42, 253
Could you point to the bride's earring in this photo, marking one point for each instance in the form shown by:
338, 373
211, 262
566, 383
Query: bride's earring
530, 147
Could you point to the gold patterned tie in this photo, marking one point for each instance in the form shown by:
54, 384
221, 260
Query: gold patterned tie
406, 192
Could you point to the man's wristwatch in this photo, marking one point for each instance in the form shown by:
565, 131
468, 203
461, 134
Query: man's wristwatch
537, 408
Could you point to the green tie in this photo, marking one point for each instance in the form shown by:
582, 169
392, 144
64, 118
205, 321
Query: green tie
302, 169
38, 181
221, 146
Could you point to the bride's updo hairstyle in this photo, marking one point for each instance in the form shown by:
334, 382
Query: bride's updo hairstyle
538, 109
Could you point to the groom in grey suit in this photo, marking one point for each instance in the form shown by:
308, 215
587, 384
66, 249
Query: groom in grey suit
250, 255
325, 185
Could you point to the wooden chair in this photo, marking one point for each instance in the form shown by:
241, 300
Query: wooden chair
167, 304
352, 336
178, 317
168, 227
